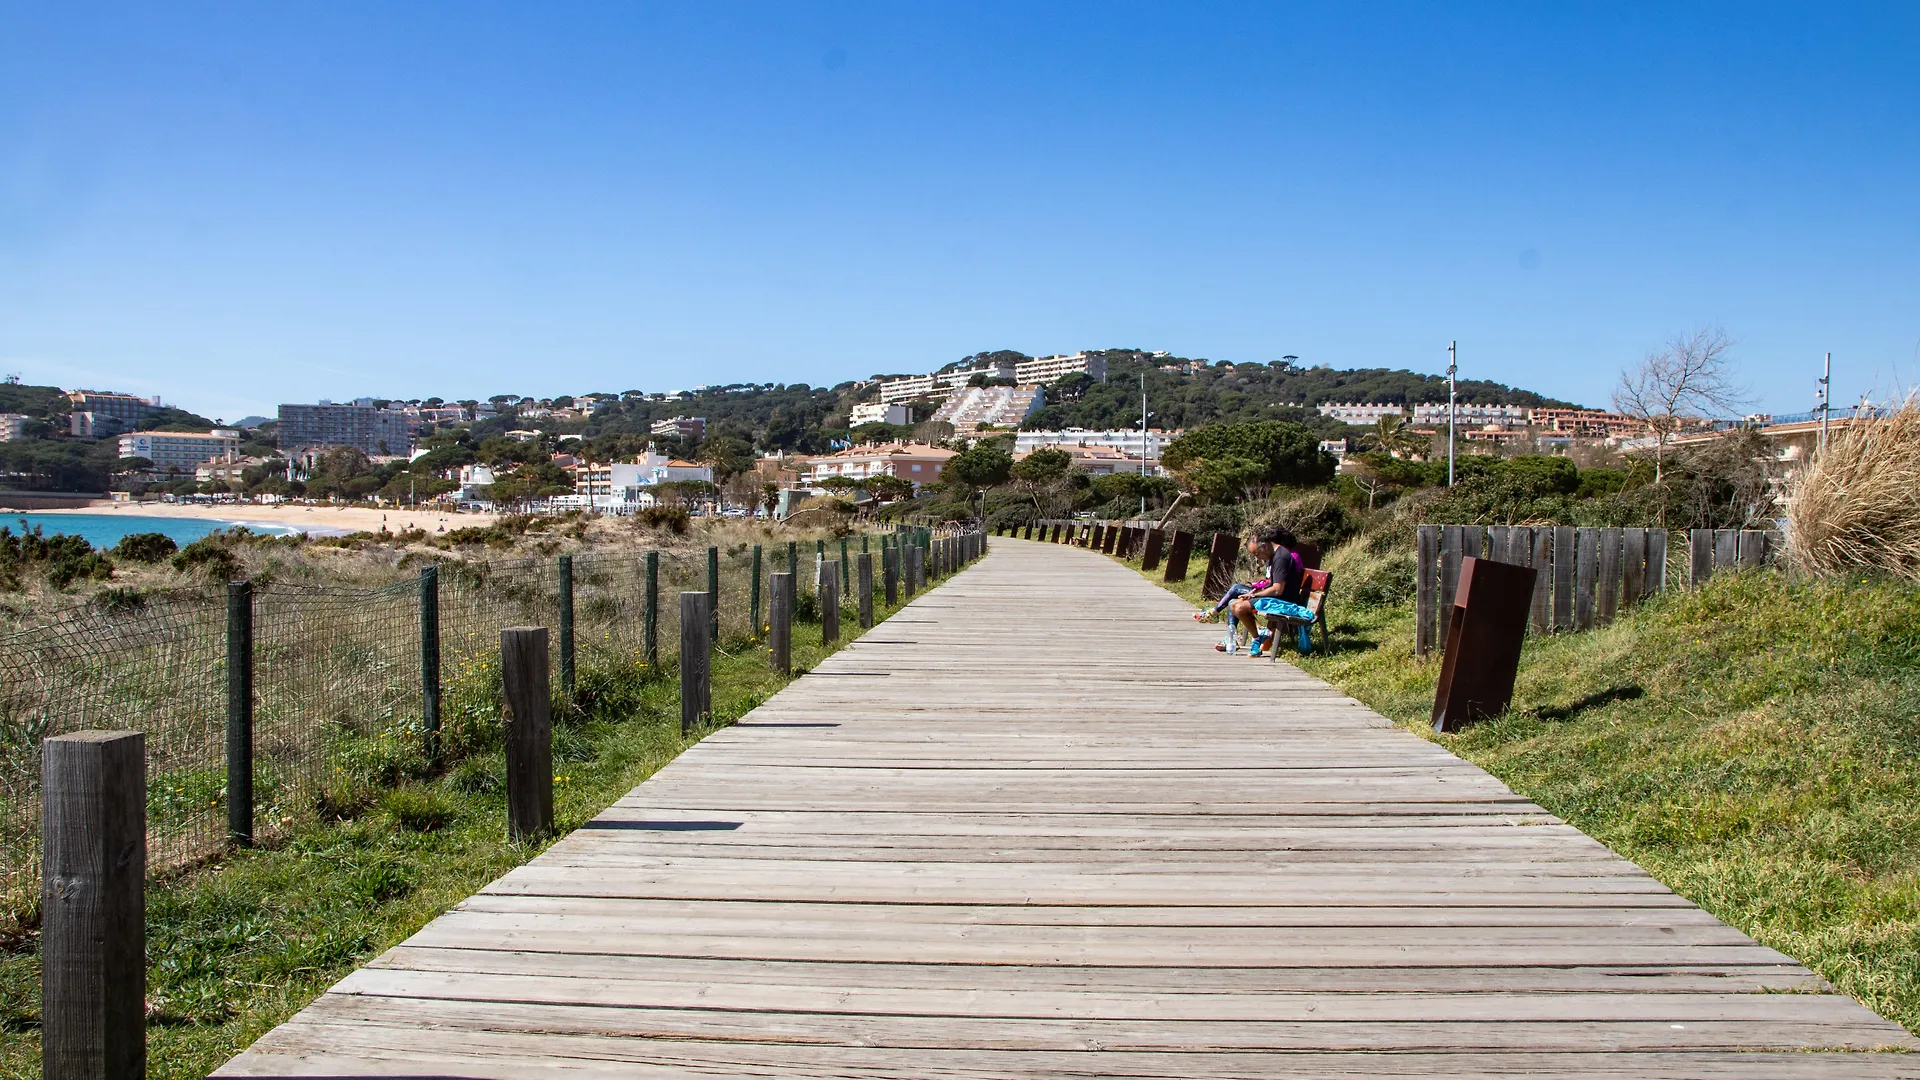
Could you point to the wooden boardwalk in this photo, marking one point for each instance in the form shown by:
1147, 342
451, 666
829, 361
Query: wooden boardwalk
1034, 826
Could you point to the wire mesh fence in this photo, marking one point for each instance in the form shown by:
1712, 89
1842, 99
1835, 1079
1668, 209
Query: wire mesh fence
340, 675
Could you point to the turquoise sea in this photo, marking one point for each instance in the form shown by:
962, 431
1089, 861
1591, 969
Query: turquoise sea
105, 530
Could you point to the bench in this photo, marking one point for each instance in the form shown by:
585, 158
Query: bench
1317, 583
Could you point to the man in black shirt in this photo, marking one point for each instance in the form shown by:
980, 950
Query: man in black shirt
1284, 575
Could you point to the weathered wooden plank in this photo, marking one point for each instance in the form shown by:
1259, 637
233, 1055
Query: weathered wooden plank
1633, 567
1426, 589
1607, 573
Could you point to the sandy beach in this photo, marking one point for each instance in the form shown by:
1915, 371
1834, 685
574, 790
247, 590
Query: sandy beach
319, 520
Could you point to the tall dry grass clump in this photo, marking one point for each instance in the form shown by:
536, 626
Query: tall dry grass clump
1856, 505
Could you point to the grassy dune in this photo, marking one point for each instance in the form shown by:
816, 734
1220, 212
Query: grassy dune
1755, 745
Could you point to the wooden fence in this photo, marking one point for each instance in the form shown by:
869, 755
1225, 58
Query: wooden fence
1586, 576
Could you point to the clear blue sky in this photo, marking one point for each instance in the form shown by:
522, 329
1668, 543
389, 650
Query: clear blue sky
239, 204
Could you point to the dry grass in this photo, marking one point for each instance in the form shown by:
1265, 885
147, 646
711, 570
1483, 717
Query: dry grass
1856, 506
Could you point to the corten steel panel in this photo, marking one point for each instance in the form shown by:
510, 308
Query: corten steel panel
1488, 625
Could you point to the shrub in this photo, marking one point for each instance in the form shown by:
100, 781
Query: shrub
674, 519
476, 776
146, 547
208, 555
1856, 505
1317, 517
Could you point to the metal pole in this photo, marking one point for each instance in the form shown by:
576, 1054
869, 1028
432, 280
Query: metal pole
652, 626
240, 712
753, 614
566, 628
1143, 444
1453, 367
1826, 400
430, 660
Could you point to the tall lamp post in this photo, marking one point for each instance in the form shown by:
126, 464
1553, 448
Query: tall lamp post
1453, 369
1143, 444
1826, 399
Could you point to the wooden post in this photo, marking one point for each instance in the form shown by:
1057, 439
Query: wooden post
1585, 570
1699, 557
846, 567
780, 622
566, 629
793, 562
1426, 588
1451, 542
1656, 561
696, 655
239, 712
890, 574
830, 605
1564, 542
1606, 593
1753, 549
1726, 549
1633, 567
93, 917
651, 638
713, 595
753, 603
866, 591
1223, 555
523, 678
1177, 556
907, 557
1540, 540
819, 565
430, 661
1028, 535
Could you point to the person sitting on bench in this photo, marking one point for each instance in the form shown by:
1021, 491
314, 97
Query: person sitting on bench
1282, 594
1234, 592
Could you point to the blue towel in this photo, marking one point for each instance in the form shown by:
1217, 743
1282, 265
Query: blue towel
1269, 606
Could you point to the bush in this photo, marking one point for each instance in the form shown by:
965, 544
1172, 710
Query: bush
1316, 517
674, 519
209, 555
1856, 506
146, 547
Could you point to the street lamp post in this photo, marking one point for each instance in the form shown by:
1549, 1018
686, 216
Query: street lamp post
1453, 368
1826, 399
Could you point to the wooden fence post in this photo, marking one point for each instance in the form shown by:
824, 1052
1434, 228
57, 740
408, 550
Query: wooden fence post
696, 657
753, 604
907, 556
650, 640
890, 574
866, 591
793, 563
93, 917
1606, 593
430, 662
1699, 557
1753, 549
713, 595
1451, 542
1426, 588
1656, 561
1540, 557
240, 712
566, 629
1564, 543
846, 567
1585, 571
1633, 573
780, 622
1726, 549
523, 677
830, 605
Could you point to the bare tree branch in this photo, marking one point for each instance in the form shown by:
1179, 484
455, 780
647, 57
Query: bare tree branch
1690, 380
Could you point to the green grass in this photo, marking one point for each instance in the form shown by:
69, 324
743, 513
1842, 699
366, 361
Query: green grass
1754, 744
238, 946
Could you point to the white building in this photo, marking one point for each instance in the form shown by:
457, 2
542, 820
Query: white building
914, 462
1478, 416
1045, 369
1356, 413
683, 427
878, 412
1127, 441
180, 450
12, 426
971, 408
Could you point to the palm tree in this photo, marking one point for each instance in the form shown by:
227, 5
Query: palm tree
1391, 433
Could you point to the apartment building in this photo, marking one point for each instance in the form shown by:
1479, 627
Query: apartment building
181, 451
1045, 369
96, 414
12, 426
878, 412
1590, 423
973, 407
1126, 440
682, 427
374, 432
914, 462
1477, 415
1356, 413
